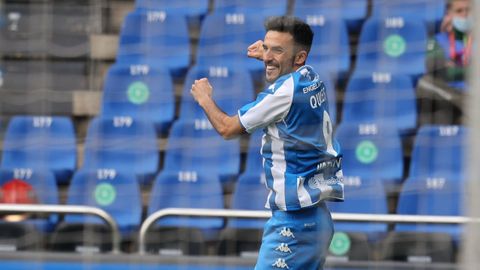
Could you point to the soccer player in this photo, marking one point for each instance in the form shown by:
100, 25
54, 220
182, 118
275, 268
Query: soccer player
302, 161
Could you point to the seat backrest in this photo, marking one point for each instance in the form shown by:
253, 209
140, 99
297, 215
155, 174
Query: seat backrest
116, 192
184, 7
371, 151
122, 144
139, 91
186, 190
439, 151
40, 142
264, 7
431, 11
154, 38
392, 44
224, 38
233, 88
350, 11
380, 98
250, 194
194, 146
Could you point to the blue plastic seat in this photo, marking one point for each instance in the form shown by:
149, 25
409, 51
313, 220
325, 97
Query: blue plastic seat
194, 10
141, 92
382, 98
330, 52
155, 38
233, 88
431, 11
41, 143
395, 45
116, 192
195, 147
263, 8
371, 151
122, 144
352, 12
224, 39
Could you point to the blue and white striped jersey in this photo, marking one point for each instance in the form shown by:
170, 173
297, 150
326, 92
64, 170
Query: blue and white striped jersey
301, 158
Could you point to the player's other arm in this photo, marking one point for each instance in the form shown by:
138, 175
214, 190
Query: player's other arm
228, 127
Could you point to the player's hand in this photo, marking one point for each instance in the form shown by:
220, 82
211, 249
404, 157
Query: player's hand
201, 89
256, 50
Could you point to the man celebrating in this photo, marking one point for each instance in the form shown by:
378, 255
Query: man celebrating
302, 160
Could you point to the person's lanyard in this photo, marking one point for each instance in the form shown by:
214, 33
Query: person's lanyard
467, 50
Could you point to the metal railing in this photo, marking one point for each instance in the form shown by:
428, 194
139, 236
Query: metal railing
67, 209
385, 218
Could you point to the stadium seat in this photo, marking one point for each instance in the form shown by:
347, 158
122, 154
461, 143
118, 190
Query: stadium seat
155, 38
352, 12
141, 92
25, 29
41, 143
243, 236
330, 52
371, 151
381, 98
264, 8
184, 235
431, 11
233, 88
71, 26
224, 39
439, 151
395, 45
122, 144
435, 186
195, 147
365, 196
117, 193
194, 10
31, 233
32, 75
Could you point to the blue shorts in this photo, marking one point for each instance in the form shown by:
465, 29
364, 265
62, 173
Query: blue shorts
296, 240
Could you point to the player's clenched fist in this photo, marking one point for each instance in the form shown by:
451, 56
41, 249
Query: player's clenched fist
201, 89
256, 50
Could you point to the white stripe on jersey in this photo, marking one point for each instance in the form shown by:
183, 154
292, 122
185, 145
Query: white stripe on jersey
271, 109
303, 196
279, 167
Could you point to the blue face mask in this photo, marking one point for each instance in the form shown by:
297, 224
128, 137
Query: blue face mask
461, 24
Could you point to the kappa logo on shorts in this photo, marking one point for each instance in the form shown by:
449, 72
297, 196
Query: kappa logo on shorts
283, 247
286, 232
280, 263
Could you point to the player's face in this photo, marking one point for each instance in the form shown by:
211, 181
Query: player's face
278, 55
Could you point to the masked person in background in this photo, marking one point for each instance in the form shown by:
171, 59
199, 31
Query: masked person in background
443, 89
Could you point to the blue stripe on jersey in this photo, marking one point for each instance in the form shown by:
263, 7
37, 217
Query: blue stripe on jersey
299, 138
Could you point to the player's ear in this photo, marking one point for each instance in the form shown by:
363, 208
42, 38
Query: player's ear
301, 57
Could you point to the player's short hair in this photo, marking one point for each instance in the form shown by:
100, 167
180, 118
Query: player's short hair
301, 32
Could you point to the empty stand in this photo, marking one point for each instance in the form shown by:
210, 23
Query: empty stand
194, 147
371, 151
142, 92
194, 10
395, 45
122, 144
224, 39
155, 38
262, 8
243, 236
25, 29
184, 235
117, 193
233, 88
352, 12
41, 143
382, 98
